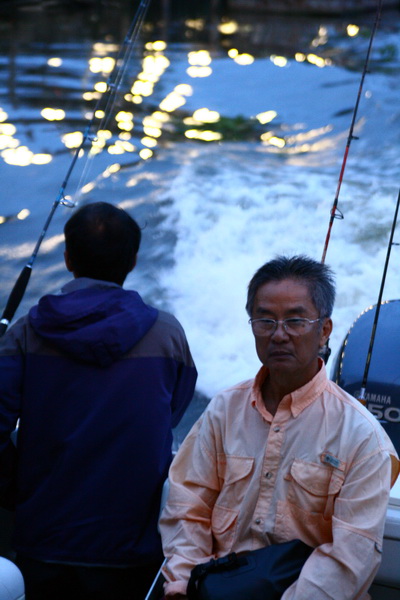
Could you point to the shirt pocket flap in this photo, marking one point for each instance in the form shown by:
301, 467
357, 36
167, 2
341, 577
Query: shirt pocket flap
234, 468
222, 518
316, 479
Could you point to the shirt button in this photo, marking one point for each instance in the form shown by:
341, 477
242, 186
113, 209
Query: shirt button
276, 429
257, 521
268, 475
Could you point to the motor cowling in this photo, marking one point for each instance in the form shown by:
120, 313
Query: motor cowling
382, 393
11, 581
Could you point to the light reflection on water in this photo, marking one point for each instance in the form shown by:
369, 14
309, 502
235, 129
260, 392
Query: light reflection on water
47, 69
225, 144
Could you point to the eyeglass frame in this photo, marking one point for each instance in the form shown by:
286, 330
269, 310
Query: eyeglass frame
277, 322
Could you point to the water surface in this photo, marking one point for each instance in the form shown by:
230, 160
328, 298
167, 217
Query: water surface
219, 191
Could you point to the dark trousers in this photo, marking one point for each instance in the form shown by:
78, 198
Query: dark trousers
51, 581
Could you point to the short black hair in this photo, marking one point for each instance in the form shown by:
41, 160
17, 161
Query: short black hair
102, 242
318, 278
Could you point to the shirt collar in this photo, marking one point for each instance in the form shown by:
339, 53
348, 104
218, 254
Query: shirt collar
296, 401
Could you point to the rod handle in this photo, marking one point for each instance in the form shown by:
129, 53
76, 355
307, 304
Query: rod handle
15, 298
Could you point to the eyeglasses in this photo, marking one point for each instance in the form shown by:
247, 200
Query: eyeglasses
294, 326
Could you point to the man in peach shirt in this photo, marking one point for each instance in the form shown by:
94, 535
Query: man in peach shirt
286, 455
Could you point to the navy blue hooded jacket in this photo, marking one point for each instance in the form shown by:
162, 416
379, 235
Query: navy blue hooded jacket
98, 379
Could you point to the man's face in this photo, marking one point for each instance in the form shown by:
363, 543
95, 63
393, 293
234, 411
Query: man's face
284, 354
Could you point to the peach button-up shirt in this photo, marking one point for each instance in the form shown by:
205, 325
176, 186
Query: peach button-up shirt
320, 470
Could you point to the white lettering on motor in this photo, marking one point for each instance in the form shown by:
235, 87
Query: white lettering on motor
390, 414
378, 398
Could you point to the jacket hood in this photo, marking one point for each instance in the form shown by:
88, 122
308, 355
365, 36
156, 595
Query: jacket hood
96, 325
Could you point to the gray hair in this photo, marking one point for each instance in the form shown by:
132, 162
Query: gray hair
318, 277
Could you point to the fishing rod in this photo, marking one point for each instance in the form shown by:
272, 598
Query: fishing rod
156, 590
361, 397
335, 212
116, 77
105, 102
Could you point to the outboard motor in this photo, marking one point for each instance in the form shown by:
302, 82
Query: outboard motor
11, 581
382, 392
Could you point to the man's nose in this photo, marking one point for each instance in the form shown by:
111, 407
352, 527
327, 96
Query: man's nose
280, 331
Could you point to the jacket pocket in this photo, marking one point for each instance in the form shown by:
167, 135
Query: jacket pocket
313, 487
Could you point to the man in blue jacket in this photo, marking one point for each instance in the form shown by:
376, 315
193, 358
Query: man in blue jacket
97, 379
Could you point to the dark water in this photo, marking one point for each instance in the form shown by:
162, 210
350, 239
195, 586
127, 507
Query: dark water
213, 211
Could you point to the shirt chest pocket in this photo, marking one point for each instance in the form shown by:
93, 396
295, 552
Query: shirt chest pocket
234, 473
313, 487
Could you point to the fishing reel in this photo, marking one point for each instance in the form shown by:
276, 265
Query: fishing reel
325, 352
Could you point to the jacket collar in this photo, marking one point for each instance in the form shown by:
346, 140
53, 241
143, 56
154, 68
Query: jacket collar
82, 283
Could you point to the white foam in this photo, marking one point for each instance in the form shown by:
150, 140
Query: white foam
231, 218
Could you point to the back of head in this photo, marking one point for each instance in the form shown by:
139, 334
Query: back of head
102, 241
317, 276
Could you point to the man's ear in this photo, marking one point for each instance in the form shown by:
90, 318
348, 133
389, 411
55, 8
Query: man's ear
68, 263
134, 261
326, 331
